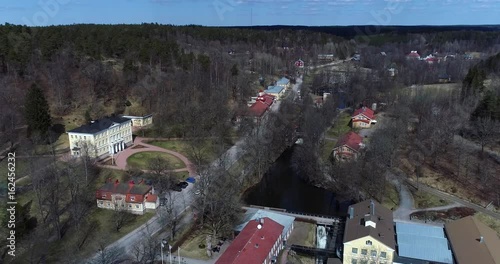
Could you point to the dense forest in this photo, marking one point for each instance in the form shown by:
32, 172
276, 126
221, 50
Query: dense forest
195, 80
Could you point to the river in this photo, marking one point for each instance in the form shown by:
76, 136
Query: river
282, 187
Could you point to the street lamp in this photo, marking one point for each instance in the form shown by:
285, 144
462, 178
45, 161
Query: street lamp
163, 243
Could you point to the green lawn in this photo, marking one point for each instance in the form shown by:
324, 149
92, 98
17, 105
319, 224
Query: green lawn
341, 126
191, 247
391, 197
326, 149
303, 234
426, 200
142, 159
181, 175
183, 147
489, 221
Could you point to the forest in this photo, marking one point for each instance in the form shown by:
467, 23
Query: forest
195, 80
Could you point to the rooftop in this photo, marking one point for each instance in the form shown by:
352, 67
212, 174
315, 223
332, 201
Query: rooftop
283, 81
125, 188
351, 139
364, 111
258, 109
473, 242
274, 89
423, 242
253, 244
361, 217
253, 214
100, 125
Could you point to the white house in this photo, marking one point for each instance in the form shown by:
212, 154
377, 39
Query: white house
101, 138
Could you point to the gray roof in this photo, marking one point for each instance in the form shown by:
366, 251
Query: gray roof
254, 214
99, 125
423, 242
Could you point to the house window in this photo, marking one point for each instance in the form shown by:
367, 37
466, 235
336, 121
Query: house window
364, 252
374, 253
383, 254
101, 202
368, 242
129, 206
354, 261
104, 196
136, 206
354, 250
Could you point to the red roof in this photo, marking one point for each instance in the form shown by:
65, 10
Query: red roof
151, 198
252, 245
258, 109
413, 54
351, 140
266, 98
133, 192
365, 111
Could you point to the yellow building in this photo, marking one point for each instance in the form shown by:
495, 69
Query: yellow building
369, 234
101, 138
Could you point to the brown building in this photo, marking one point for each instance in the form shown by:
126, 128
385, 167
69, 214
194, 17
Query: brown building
473, 242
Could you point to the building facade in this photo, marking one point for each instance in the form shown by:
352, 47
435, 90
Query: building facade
363, 117
101, 138
140, 121
130, 197
369, 234
259, 242
276, 91
348, 147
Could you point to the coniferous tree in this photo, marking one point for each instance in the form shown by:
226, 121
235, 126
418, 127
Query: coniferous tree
37, 112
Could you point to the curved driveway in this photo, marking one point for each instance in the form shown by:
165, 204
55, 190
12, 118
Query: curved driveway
121, 158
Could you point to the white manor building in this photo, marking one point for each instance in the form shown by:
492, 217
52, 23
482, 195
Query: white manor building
101, 138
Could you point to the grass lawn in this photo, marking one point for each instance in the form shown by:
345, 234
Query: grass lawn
183, 147
181, 175
489, 221
141, 160
391, 197
303, 234
300, 259
427, 200
327, 148
190, 248
340, 126
105, 232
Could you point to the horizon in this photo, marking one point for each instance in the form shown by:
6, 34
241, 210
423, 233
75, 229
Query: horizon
245, 13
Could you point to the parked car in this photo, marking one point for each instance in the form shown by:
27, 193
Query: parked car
191, 179
183, 185
176, 188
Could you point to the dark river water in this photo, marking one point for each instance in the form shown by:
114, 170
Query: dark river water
282, 187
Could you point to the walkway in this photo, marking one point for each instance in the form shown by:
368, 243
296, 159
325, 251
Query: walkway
324, 220
121, 157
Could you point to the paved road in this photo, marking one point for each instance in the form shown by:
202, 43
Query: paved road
455, 199
458, 139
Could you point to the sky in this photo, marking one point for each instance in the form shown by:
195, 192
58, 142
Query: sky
251, 12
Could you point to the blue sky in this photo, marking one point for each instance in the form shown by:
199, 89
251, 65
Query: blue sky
256, 12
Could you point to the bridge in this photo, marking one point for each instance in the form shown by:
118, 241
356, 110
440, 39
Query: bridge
318, 219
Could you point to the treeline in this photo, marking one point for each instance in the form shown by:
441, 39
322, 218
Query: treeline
474, 86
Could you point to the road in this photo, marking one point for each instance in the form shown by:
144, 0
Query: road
185, 198
328, 64
455, 199
460, 140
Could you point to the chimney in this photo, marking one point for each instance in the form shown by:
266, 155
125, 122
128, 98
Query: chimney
351, 212
481, 239
372, 207
256, 245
